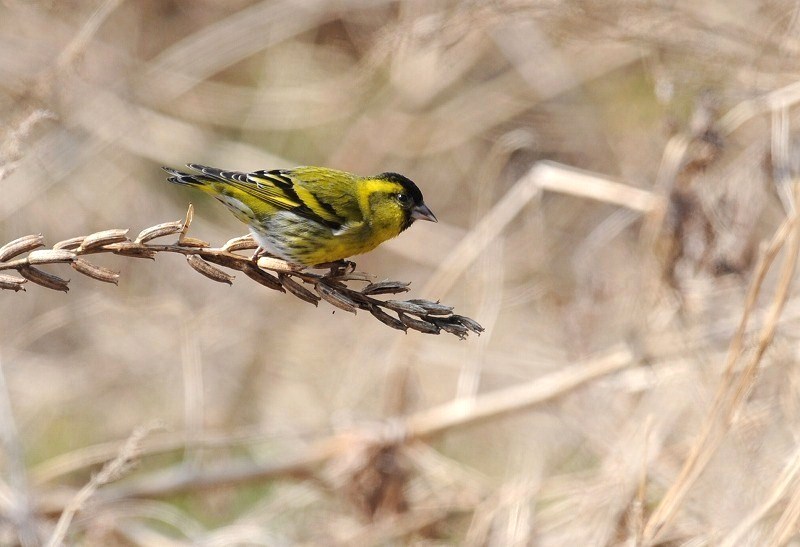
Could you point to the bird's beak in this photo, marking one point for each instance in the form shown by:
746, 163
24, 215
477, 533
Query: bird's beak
421, 212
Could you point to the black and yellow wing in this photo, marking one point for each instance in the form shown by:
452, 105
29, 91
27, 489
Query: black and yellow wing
325, 196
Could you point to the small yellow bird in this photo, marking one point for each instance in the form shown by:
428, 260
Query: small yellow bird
313, 215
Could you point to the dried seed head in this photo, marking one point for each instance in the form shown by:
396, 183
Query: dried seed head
186, 223
159, 230
387, 319
402, 305
260, 276
20, 245
471, 324
227, 259
211, 272
11, 283
422, 315
50, 281
133, 250
432, 308
336, 298
386, 287
418, 324
106, 237
276, 264
50, 256
453, 328
194, 243
95, 272
71, 243
297, 289
240, 243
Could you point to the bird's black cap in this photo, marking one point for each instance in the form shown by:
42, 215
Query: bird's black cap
406, 183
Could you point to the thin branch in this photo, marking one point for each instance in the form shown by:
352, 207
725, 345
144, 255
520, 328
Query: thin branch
332, 286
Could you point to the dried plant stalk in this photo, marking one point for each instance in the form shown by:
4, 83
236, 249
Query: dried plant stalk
24, 255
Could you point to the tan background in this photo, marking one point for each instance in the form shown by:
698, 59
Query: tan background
629, 299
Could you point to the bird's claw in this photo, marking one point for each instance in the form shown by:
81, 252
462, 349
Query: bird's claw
338, 268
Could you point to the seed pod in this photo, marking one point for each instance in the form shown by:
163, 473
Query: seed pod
95, 272
159, 230
418, 324
386, 287
194, 243
106, 237
433, 308
239, 243
260, 276
211, 272
336, 298
11, 283
471, 324
276, 264
70, 244
20, 245
402, 305
133, 250
387, 319
298, 290
228, 260
454, 328
44, 279
50, 256
186, 223
362, 300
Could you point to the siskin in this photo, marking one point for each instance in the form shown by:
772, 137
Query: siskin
313, 215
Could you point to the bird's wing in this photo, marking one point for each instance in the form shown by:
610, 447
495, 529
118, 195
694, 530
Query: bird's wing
278, 189
324, 195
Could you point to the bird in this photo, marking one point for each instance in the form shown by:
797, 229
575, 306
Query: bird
310, 216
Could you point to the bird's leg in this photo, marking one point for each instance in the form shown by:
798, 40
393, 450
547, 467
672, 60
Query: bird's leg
260, 251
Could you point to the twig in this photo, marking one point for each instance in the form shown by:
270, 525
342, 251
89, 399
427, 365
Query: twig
417, 314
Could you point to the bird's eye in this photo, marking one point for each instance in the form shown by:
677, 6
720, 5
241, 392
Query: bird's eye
403, 198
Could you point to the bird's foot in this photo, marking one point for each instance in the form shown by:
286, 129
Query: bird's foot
338, 268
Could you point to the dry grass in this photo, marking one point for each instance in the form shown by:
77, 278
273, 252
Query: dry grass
616, 188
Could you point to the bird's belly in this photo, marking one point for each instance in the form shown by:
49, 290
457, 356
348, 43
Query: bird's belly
301, 241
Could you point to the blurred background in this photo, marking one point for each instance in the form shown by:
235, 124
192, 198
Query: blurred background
608, 176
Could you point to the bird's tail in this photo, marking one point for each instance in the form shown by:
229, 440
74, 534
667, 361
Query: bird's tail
179, 177
205, 178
